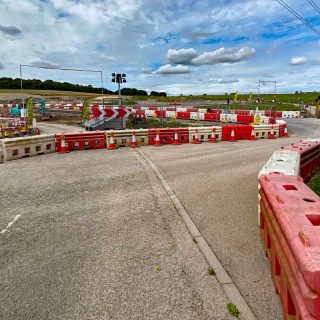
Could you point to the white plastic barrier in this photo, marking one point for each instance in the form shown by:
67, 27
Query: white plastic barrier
17, 148
232, 118
195, 115
170, 114
263, 131
205, 133
285, 161
202, 110
150, 113
180, 109
123, 138
290, 114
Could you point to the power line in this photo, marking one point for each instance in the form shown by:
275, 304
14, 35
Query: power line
297, 15
314, 5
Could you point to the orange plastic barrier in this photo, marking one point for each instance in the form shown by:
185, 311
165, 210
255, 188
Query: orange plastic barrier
289, 225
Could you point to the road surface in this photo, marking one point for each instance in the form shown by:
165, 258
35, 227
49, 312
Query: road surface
93, 235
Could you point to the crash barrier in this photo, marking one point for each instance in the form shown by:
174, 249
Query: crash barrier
166, 135
238, 132
309, 157
289, 219
205, 133
289, 225
123, 138
81, 140
264, 131
76, 106
17, 148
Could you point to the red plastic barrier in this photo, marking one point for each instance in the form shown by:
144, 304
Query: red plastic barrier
245, 118
152, 108
171, 109
183, 115
310, 157
160, 113
273, 114
241, 132
82, 140
167, 135
136, 107
290, 220
281, 129
212, 116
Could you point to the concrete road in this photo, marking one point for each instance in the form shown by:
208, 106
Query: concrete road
93, 235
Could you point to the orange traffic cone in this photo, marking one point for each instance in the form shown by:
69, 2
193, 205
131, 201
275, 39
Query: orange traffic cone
157, 142
196, 138
232, 136
176, 138
271, 135
285, 133
63, 147
133, 143
112, 144
253, 134
213, 136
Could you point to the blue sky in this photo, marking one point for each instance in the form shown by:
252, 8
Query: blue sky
181, 46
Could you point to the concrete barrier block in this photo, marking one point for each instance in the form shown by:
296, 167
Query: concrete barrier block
17, 148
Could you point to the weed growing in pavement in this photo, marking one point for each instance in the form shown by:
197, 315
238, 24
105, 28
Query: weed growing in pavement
233, 310
211, 271
158, 268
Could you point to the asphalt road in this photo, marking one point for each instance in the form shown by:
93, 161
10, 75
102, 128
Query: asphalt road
52, 128
93, 235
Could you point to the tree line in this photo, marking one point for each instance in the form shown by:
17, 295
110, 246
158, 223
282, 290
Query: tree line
36, 84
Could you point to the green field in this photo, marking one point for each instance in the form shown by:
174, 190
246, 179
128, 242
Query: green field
305, 97
284, 102
51, 93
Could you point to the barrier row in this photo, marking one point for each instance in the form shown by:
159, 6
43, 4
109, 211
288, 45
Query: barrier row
16, 148
289, 218
177, 112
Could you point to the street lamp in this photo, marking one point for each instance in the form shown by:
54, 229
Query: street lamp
119, 78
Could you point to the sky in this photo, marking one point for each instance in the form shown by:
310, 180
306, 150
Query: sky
178, 46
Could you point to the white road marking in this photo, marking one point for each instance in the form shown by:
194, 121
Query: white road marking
11, 223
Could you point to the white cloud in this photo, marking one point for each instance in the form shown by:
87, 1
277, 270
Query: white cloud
223, 55
182, 56
298, 60
169, 69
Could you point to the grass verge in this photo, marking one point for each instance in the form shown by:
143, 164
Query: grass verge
314, 183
